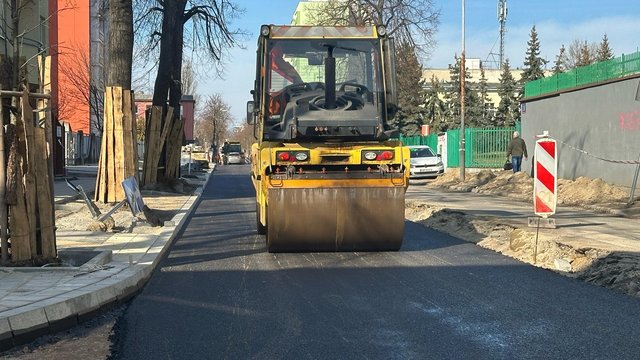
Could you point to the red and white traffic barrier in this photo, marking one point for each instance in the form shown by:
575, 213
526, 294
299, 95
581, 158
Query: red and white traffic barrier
545, 185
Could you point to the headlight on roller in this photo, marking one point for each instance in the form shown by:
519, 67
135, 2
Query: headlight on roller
370, 155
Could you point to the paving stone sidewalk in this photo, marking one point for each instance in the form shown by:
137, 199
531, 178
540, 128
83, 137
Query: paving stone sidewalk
37, 301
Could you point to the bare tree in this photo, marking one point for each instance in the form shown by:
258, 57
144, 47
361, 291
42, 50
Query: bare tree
190, 83
81, 87
212, 127
581, 53
164, 22
412, 22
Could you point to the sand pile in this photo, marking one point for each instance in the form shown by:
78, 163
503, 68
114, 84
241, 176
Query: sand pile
518, 186
582, 192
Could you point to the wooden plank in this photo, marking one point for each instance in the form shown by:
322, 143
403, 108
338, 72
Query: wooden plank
174, 152
110, 171
151, 167
101, 181
49, 134
127, 140
19, 222
11, 142
29, 176
168, 122
118, 141
44, 197
134, 135
4, 214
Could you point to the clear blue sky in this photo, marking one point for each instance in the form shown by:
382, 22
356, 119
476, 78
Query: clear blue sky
557, 22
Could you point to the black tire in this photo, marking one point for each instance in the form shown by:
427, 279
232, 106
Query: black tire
262, 230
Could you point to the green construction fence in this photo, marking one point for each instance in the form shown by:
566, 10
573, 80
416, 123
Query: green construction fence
585, 75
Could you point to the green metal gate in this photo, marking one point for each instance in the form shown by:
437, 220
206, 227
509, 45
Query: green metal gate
484, 147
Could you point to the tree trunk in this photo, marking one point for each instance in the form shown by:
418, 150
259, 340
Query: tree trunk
118, 141
120, 43
172, 156
166, 80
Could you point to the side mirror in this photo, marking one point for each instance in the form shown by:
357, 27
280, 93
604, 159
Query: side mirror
391, 94
250, 112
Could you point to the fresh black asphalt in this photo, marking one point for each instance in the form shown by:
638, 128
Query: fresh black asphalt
219, 295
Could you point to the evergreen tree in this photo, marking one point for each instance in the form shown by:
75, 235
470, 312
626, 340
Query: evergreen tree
509, 108
452, 98
604, 50
560, 64
485, 115
533, 63
435, 108
411, 93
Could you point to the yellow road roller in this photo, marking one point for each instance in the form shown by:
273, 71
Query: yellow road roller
328, 170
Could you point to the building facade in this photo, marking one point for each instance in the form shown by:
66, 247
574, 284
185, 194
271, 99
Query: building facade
78, 40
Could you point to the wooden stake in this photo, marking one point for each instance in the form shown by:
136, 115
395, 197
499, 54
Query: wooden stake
30, 174
46, 210
4, 216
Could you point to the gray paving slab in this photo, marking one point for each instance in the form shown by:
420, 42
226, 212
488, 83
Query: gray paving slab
5, 329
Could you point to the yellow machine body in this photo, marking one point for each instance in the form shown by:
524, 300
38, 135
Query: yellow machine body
327, 179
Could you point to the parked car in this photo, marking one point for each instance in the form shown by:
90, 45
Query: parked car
235, 158
425, 163
232, 153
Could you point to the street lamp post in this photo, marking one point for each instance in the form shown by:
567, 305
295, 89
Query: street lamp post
463, 71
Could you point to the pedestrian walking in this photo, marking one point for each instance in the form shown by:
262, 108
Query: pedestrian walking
516, 150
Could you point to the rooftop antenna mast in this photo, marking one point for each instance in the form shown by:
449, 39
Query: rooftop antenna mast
502, 18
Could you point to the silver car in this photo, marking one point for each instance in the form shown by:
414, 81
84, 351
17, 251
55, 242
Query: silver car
235, 158
425, 164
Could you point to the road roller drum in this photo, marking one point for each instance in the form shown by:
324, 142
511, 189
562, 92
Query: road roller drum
335, 219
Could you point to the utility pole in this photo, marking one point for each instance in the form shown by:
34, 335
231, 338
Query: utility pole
463, 71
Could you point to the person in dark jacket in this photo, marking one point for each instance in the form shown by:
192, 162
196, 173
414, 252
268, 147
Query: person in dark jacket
516, 150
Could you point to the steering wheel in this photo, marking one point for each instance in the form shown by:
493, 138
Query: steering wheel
361, 89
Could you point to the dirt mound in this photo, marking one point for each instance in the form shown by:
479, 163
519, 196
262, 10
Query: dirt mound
620, 271
451, 180
582, 192
506, 183
585, 191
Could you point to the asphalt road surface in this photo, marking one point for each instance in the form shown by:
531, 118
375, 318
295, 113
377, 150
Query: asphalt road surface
219, 295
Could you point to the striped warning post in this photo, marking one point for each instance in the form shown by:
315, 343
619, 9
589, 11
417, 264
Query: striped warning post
545, 185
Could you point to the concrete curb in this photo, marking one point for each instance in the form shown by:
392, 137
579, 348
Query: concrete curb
24, 324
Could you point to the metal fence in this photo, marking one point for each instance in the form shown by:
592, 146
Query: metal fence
585, 75
484, 147
79, 148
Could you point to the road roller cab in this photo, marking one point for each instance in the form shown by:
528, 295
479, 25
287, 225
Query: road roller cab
328, 171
